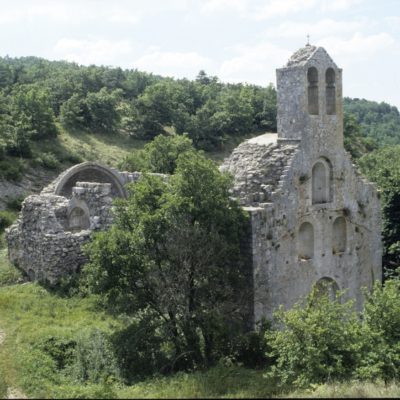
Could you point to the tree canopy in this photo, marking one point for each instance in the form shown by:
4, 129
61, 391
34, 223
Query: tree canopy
173, 256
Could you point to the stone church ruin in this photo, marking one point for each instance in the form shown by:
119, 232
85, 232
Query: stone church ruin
314, 218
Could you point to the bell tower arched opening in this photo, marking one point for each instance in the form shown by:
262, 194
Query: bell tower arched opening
330, 91
312, 78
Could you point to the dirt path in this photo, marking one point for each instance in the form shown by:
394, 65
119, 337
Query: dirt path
12, 393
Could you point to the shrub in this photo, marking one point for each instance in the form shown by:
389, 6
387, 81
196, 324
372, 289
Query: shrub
11, 169
48, 160
15, 203
2, 151
381, 333
159, 156
93, 358
60, 349
317, 342
250, 349
6, 219
139, 350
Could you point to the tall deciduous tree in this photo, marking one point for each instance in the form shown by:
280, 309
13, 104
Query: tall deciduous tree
174, 253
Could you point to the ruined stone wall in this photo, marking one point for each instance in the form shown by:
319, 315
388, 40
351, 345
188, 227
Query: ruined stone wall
44, 244
282, 275
46, 241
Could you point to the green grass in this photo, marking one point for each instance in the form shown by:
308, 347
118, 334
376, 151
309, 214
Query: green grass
8, 274
31, 316
73, 147
76, 146
350, 390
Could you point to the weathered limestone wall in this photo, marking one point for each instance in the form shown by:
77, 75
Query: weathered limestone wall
38, 243
46, 240
314, 218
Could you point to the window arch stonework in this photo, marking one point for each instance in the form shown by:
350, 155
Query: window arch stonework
78, 220
339, 236
306, 241
330, 91
327, 287
313, 103
321, 182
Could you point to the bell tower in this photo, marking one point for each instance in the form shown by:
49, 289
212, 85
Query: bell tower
310, 100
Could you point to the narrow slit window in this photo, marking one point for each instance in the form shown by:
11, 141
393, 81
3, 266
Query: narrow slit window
339, 236
330, 91
312, 77
78, 220
306, 241
321, 182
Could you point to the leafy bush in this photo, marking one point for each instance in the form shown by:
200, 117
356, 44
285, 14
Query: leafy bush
60, 349
15, 203
160, 155
251, 348
6, 219
140, 350
9, 275
318, 342
93, 358
11, 169
2, 151
381, 333
48, 160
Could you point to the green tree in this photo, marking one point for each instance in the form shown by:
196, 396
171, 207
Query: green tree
73, 112
174, 253
379, 121
317, 341
17, 137
160, 155
383, 168
381, 333
34, 103
103, 115
354, 141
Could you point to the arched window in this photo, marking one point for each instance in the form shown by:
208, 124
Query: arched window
306, 241
327, 287
312, 77
339, 236
330, 91
78, 220
321, 181
31, 275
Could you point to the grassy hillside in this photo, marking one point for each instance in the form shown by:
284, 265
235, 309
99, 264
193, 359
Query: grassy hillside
76, 146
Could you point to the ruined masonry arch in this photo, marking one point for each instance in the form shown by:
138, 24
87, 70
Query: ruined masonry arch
327, 286
89, 172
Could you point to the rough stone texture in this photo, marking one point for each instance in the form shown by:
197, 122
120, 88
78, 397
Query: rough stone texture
258, 165
46, 240
274, 182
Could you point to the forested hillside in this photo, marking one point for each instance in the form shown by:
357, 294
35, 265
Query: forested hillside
379, 121
36, 92
41, 100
